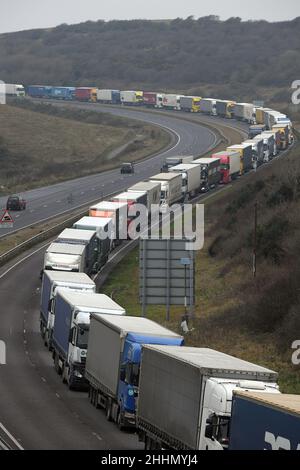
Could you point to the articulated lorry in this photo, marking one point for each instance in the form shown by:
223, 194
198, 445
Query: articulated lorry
171, 101
210, 172
185, 396
52, 280
152, 99
95, 255
131, 98
244, 112
264, 421
256, 130
190, 104
269, 144
176, 160
72, 313
208, 106
284, 135
113, 362
68, 257
191, 178
14, 90
152, 190
86, 94
104, 228
117, 211
171, 187
109, 96
245, 151
63, 93
229, 165
257, 144
224, 108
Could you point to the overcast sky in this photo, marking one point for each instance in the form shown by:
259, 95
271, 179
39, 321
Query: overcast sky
17, 15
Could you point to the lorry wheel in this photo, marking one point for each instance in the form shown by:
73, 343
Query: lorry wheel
108, 410
56, 365
120, 421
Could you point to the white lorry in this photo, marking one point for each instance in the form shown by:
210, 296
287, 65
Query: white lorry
171, 101
185, 396
71, 330
191, 178
171, 184
14, 89
152, 190
245, 112
65, 257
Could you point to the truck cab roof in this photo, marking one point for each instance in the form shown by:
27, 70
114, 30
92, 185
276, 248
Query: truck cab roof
91, 302
76, 234
66, 249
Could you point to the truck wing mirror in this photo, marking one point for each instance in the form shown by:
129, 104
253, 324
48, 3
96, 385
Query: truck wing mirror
122, 374
209, 431
71, 335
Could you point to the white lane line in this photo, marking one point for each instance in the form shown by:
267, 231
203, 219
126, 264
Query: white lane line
11, 437
45, 205
43, 379
97, 436
23, 259
82, 192
58, 200
58, 396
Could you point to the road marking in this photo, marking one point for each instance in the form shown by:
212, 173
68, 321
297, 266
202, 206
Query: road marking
31, 210
11, 437
57, 395
82, 192
23, 259
45, 205
58, 200
43, 379
97, 436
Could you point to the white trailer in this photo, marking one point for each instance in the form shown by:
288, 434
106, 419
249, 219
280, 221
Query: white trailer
171, 101
191, 178
14, 89
171, 184
245, 112
152, 189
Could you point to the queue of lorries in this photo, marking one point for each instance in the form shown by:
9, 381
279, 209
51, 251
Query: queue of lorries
140, 373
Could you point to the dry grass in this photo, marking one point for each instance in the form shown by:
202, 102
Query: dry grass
38, 149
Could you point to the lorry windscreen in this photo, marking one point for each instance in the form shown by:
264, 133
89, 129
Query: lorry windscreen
224, 166
83, 336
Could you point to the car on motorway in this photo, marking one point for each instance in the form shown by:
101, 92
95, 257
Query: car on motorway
15, 203
127, 168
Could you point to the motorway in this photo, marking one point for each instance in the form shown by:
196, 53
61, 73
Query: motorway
37, 410
189, 138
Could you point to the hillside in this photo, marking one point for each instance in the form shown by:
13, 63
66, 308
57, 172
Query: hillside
255, 319
41, 144
189, 55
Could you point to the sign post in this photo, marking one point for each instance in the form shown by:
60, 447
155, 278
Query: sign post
167, 274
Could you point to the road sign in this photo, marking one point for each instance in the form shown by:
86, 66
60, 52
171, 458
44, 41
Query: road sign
167, 273
6, 220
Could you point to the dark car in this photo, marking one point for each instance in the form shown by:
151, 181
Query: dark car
15, 203
127, 168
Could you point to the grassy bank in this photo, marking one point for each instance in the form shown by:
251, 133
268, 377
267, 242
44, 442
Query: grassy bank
40, 144
255, 319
